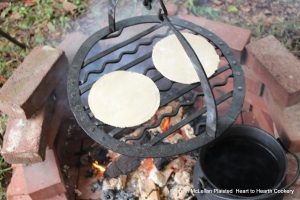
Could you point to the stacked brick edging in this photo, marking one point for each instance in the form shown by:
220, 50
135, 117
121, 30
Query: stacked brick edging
37, 181
279, 71
28, 99
22, 99
40, 81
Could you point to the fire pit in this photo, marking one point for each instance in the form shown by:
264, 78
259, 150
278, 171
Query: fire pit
91, 171
83, 74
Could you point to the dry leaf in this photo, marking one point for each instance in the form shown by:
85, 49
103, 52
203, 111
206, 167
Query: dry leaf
217, 2
29, 2
245, 7
267, 12
2, 79
15, 16
3, 6
70, 7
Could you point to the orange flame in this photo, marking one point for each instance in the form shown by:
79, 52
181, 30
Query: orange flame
100, 167
165, 124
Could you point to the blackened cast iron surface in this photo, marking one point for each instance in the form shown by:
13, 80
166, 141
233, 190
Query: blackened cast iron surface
108, 139
244, 158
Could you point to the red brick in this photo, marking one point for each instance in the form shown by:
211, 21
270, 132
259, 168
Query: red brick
25, 140
286, 120
257, 101
37, 181
295, 195
172, 8
249, 119
291, 126
20, 197
43, 180
264, 120
182, 10
246, 107
70, 179
62, 96
220, 90
55, 123
59, 197
276, 67
17, 186
68, 142
276, 113
223, 107
222, 62
238, 120
31, 84
235, 37
253, 84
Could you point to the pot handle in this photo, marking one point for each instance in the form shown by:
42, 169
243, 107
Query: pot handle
201, 180
201, 183
298, 163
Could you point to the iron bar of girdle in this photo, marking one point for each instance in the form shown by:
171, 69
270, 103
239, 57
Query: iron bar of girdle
13, 40
101, 136
211, 118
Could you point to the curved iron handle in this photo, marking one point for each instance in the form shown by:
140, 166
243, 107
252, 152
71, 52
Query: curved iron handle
112, 4
298, 162
211, 118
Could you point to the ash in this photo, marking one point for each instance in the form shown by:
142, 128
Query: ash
173, 181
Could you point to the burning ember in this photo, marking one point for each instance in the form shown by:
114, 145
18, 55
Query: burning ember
99, 167
118, 176
165, 125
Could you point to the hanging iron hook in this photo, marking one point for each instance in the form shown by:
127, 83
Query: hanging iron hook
159, 15
163, 7
147, 4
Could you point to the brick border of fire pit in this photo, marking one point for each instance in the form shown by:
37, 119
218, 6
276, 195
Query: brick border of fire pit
272, 103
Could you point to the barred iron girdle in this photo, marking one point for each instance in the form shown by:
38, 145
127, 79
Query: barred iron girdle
154, 151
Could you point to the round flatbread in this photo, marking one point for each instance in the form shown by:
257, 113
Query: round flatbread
124, 99
171, 60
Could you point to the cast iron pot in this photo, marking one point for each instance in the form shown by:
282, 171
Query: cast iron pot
245, 162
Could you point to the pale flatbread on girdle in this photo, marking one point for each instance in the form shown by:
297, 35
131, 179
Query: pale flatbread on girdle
171, 60
124, 99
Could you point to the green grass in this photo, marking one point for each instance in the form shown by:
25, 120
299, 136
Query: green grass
44, 23
4, 168
204, 11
